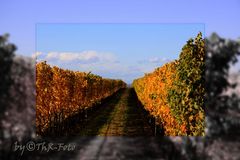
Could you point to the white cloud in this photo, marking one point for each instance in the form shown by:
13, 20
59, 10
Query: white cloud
102, 63
158, 60
52, 55
88, 57
36, 54
154, 60
67, 56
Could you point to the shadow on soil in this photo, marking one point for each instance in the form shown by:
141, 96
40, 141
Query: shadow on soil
100, 116
137, 120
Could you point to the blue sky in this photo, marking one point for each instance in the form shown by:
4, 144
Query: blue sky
123, 51
19, 18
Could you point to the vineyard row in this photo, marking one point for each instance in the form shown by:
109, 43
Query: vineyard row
174, 93
64, 93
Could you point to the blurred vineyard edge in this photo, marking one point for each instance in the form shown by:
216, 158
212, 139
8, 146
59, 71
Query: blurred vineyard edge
222, 114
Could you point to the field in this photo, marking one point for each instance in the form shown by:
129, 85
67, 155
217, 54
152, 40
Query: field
168, 101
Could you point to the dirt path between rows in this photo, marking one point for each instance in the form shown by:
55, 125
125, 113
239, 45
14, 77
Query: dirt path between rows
121, 116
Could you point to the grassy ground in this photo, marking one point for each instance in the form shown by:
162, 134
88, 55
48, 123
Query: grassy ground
121, 116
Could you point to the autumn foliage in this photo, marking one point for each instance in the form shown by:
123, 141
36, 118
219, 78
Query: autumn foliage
174, 93
64, 93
